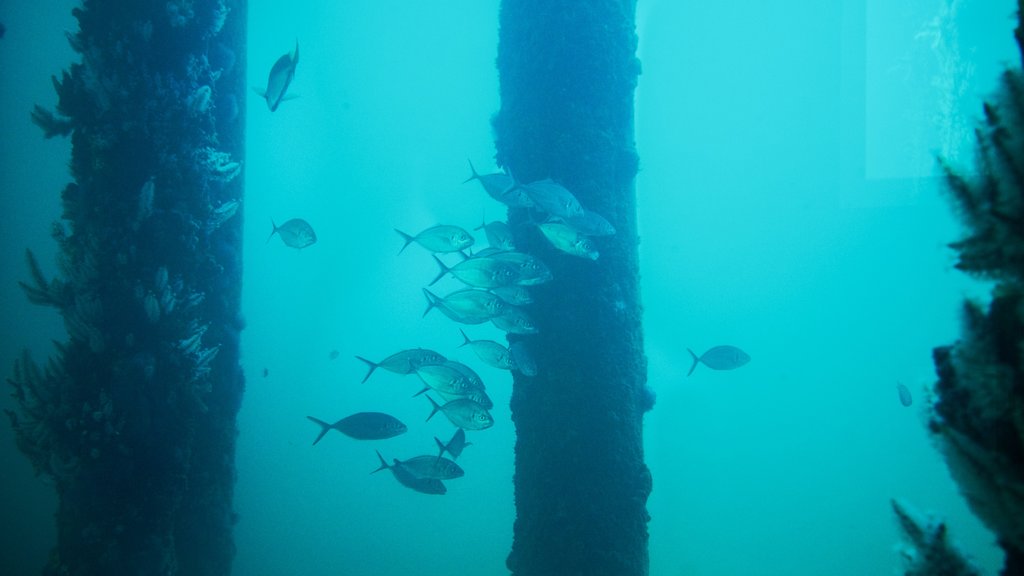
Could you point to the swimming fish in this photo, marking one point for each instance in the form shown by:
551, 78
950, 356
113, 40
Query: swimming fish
514, 295
467, 306
501, 187
333, 355
404, 361
492, 353
905, 397
363, 426
499, 235
281, 76
565, 238
463, 413
480, 272
515, 321
434, 467
530, 270
406, 478
447, 378
455, 446
296, 233
720, 358
553, 198
591, 224
440, 239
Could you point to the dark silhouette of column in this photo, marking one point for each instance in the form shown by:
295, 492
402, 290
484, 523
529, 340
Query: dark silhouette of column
133, 416
568, 71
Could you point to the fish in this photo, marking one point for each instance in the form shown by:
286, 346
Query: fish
720, 358
905, 397
499, 235
501, 187
363, 426
435, 467
463, 413
522, 359
467, 306
490, 352
530, 269
406, 478
440, 239
480, 272
281, 76
591, 224
334, 354
565, 238
455, 446
447, 379
404, 361
553, 198
296, 233
514, 295
515, 321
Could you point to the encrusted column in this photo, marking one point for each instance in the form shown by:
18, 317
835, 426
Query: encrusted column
568, 71
133, 416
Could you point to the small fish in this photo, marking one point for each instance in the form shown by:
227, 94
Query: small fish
463, 413
530, 269
591, 224
499, 235
406, 478
296, 233
281, 76
333, 355
434, 467
905, 398
404, 361
515, 321
553, 198
480, 272
490, 352
524, 362
514, 295
467, 306
455, 446
720, 358
266, 372
498, 185
565, 238
440, 239
363, 426
447, 378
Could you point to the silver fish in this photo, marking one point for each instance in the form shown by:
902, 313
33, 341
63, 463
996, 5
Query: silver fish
553, 198
905, 397
499, 235
720, 358
446, 378
591, 224
406, 478
463, 413
455, 446
467, 306
480, 272
281, 76
501, 187
522, 358
296, 233
440, 239
490, 352
565, 238
405, 361
514, 295
434, 467
363, 426
531, 271
515, 321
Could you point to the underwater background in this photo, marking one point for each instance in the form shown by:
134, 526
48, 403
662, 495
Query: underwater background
789, 204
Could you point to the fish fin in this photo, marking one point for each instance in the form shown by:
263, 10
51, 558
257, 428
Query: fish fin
696, 359
441, 446
260, 91
324, 428
272, 232
444, 270
425, 389
432, 300
475, 176
373, 366
434, 411
463, 332
408, 239
287, 97
383, 463
295, 54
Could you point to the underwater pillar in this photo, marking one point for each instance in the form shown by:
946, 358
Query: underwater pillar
568, 72
133, 416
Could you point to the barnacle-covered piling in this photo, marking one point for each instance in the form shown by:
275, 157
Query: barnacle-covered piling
568, 71
133, 416
978, 415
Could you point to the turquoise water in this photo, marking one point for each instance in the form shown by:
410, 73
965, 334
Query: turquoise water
787, 204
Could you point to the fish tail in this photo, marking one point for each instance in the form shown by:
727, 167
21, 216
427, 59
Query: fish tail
475, 176
432, 300
467, 340
383, 463
434, 411
425, 389
324, 428
408, 239
272, 232
696, 359
295, 54
444, 270
441, 446
373, 366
